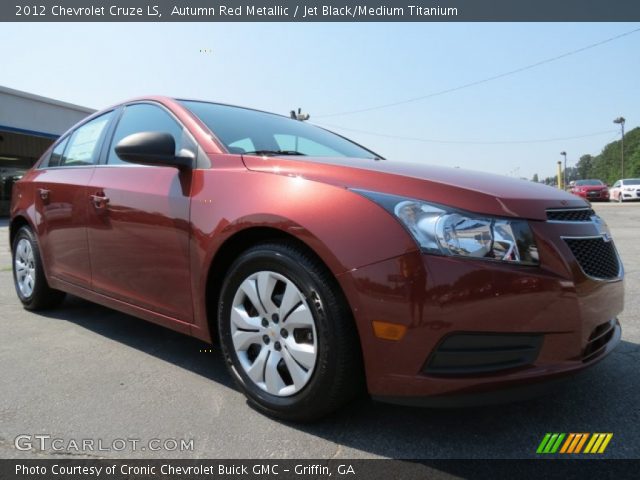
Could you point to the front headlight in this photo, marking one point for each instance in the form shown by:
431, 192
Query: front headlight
447, 231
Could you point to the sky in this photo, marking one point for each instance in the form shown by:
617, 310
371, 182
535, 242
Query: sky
329, 68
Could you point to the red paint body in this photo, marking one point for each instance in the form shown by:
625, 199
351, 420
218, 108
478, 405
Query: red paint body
592, 192
152, 251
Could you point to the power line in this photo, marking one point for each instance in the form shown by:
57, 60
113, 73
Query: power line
468, 142
484, 80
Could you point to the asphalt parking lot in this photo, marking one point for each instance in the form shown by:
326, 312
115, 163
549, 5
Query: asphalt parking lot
86, 372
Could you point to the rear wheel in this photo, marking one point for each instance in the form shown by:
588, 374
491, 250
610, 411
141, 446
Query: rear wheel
28, 274
287, 334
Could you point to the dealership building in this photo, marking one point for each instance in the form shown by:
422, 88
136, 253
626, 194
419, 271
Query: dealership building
28, 125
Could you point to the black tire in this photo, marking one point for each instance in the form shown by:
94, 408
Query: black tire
338, 373
42, 296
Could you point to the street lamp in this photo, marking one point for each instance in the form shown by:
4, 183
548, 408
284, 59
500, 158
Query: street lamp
564, 175
620, 121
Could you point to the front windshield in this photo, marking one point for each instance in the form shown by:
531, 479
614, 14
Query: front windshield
242, 130
632, 181
581, 183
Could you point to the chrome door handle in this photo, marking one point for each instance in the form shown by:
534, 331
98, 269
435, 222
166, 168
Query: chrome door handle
44, 193
99, 201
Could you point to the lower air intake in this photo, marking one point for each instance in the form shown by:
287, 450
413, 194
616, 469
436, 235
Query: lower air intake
467, 354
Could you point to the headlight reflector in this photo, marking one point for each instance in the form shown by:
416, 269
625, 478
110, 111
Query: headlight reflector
447, 231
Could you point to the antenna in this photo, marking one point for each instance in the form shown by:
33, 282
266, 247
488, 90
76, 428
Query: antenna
299, 115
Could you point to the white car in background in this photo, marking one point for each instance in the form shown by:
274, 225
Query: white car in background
625, 189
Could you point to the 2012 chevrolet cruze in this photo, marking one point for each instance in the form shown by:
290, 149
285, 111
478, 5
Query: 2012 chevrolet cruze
320, 266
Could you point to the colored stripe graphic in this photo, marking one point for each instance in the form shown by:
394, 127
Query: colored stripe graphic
567, 443
581, 442
591, 443
604, 445
573, 443
598, 443
556, 445
543, 443
550, 443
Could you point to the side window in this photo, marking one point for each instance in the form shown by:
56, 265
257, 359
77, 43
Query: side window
143, 117
616, 185
84, 144
56, 155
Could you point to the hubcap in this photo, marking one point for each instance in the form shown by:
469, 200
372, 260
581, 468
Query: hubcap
278, 354
25, 267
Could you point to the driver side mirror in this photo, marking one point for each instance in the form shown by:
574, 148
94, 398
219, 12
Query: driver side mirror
153, 148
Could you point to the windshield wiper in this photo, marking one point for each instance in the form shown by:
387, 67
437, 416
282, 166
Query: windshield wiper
274, 152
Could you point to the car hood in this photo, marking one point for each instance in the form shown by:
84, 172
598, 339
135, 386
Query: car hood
464, 189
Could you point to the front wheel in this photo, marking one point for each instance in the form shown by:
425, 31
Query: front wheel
28, 273
287, 334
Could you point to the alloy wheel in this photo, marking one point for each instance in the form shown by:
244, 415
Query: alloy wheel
25, 267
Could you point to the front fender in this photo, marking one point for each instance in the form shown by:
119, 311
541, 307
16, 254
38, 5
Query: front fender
346, 230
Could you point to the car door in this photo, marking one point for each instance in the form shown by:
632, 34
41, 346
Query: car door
615, 190
139, 230
62, 202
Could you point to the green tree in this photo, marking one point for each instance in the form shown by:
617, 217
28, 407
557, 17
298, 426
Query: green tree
607, 166
535, 178
584, 166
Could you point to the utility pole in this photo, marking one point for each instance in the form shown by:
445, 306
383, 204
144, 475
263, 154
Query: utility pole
564, 174
620, 121
559, 174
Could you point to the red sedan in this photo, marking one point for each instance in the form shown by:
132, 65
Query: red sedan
322, 268
592, 190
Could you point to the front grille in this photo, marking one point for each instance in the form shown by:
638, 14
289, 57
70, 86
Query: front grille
468, 354
596, 257
598, 340
572, 215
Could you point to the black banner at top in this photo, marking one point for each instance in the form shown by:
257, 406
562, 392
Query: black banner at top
320, 10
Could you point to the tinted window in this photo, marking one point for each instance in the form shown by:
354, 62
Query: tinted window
84, 143
56, 155
304, 145
241, 146
144, 117
267, 131
632, 181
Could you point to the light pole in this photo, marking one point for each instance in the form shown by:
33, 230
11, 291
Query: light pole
564, 174
620, 121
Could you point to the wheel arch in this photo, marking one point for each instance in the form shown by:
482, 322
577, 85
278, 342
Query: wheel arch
233, 247
16, 224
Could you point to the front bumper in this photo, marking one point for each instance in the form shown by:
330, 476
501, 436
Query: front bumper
594, 195
508, 389
630, 194
436, 297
